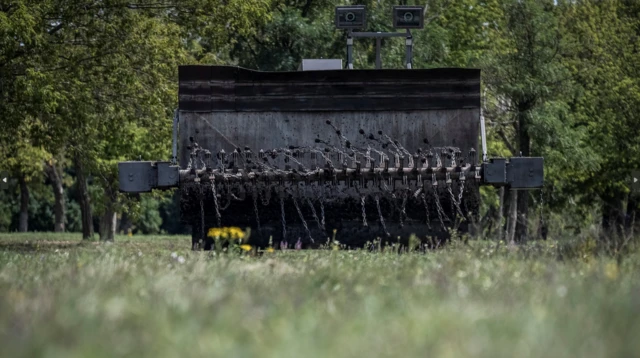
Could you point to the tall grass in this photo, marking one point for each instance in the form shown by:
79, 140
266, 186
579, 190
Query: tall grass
153, 297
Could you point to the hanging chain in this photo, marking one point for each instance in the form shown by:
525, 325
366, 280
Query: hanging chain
403, 211
304, 222
426, 209
377, 199
254, 195
454, 203
215, 201
284, 221
315, 215
386, 188
441, 214
461, 192
321, 199
364, 214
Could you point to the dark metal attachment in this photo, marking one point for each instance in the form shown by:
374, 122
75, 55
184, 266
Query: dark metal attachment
142, 177
517, 173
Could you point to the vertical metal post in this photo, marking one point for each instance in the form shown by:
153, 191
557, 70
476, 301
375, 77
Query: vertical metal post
378, 58
174, 147
483, 133
409, 50
349, 51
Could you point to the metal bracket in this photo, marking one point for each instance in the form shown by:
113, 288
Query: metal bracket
379, 36
142, 177
517, 173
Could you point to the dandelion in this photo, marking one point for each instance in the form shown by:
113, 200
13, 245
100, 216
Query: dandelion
245, 247
181, 259
270, 249
235, 233
216, 232
231, 233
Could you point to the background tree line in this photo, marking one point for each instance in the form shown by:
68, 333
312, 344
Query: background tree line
85, 84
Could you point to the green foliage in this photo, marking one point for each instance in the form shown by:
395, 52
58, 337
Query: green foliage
149, 220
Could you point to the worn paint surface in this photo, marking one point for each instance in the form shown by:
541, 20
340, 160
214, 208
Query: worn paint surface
272, 130
223, 88
227, 108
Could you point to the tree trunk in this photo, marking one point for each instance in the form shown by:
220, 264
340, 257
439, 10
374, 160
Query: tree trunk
109, 219
499, 216
23, 225
613, 217
522, 227
632, 211
84, 200
125, 224
108, 224
513, 216
54, 173
524, 141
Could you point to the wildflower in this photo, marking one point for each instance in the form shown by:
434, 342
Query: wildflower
245, 247
270, 249
217, 232
174, 255
284, 245
298, 245
235, 233
232, 233
181, 259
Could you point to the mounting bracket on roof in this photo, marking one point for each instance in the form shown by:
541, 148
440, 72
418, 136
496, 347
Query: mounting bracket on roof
405, 17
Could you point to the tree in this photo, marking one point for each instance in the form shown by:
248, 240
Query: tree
526, 79
84, 76
605, 65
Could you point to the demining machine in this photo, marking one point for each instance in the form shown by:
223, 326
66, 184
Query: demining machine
330, 150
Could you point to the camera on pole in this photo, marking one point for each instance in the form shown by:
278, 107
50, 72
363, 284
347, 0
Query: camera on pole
408, 17
351, 17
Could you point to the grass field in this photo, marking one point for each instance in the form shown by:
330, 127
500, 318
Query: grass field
152, 297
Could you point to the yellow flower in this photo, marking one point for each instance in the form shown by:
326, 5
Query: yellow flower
270, 249
216, 232
246, 247
235, 233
